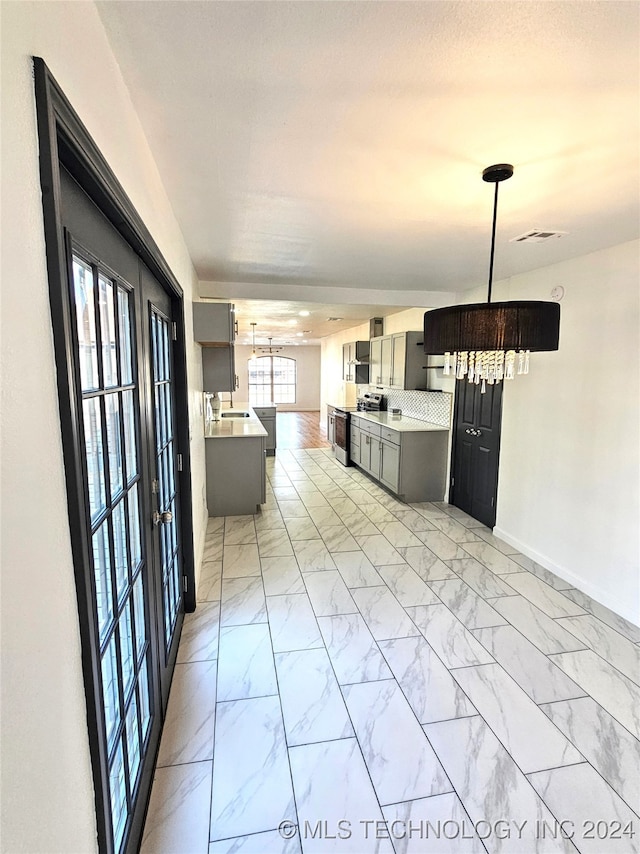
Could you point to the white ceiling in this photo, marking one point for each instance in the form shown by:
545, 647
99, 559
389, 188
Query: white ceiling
315, 145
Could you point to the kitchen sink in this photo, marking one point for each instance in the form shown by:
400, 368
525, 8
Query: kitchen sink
237, 413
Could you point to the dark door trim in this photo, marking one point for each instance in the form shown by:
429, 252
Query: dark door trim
64, 141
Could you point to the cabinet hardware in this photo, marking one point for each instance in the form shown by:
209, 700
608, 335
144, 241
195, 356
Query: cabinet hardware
179, 461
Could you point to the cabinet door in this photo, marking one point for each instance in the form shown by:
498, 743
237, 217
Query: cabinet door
269, 425
365, 451
354, 434
354, 444
214, 322
390, 465
374, 466
218, 369
375, 361
398, 360
331, 433
385, 361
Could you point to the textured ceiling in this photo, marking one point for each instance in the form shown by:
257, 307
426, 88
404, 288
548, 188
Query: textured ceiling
341, 144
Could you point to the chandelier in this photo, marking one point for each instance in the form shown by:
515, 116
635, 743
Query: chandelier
490, 342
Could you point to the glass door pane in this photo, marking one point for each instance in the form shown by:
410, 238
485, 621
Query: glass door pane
166, 473
105, 324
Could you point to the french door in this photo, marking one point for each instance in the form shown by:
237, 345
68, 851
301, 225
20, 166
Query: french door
121, 344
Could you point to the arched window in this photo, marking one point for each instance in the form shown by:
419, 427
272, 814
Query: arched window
272, 379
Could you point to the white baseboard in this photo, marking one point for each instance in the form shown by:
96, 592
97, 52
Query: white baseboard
604, 597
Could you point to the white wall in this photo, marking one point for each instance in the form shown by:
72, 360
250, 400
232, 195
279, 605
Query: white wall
569, 466
47, 790
334, 391
307, 358
569, 457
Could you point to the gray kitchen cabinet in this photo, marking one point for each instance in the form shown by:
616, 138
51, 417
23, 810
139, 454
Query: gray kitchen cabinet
214, 322
375, 361
398, 361
390, 464
411, 464
267, 416
355, 362
236, 475
214, 326
219, 369
354, 441
331, 430
365, 451
370, 447
386, 368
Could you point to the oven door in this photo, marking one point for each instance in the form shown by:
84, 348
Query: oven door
341, 437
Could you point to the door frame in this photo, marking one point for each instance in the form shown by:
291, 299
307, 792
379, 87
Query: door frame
64, 141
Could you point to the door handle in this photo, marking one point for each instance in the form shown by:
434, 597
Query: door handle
162, 518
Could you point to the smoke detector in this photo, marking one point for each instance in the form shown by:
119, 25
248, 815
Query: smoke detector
537, 236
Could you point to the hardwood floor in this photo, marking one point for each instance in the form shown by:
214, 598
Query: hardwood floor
300, 430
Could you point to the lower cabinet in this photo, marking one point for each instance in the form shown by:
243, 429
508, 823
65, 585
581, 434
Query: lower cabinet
390, 465
354, 443
267, 416
331, 429
411, 464
236, 475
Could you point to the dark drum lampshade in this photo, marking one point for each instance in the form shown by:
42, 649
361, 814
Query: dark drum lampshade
491, 341
514, 325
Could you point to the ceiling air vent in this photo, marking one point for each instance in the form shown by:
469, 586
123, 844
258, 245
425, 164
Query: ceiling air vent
536, 236
334, 318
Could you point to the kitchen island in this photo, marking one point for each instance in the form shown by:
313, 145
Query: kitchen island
235, 451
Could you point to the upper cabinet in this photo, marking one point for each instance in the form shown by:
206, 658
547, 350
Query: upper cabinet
355, 362
215, 327
214, 323
398, 361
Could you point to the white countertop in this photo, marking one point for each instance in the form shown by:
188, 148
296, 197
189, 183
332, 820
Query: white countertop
234, 428
401, 423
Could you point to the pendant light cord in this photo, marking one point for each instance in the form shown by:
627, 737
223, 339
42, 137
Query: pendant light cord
493, 240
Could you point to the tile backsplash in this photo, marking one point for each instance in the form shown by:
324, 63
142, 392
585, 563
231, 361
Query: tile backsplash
433, 406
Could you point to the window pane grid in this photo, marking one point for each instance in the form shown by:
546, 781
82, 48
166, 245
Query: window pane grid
272, 379
105, 329
165, 462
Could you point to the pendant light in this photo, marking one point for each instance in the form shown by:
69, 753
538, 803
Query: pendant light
489, 342
253, 335
270, 349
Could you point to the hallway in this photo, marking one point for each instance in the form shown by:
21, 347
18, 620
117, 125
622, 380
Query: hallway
374, 677
300, 430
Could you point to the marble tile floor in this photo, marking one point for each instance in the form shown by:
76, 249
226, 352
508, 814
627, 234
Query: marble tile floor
363, 676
